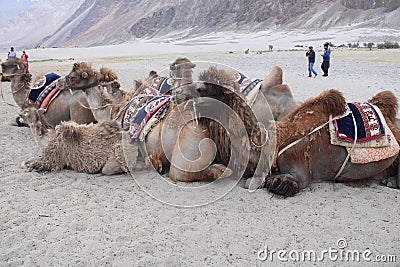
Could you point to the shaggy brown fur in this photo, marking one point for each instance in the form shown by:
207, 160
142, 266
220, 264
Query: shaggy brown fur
108, 75
314, 111
84, 67
387, 103
84, 148
221, 77
214, 86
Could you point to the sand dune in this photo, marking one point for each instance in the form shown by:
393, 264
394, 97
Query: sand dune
74, 219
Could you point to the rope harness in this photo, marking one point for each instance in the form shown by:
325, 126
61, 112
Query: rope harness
319, 128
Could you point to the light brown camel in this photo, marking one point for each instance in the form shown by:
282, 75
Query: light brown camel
271, 101
314, 158
89, 148
66, 106
177, 141
181, 70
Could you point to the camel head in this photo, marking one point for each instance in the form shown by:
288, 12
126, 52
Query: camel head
37, 122
181, 69
82, 77
10, 67
32, 115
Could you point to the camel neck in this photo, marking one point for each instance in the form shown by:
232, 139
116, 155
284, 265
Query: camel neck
19, 88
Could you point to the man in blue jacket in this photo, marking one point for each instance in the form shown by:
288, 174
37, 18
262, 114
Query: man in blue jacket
326, 57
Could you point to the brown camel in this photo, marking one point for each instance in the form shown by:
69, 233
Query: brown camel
314, 158
85, 148
177, 141
270, 101
66, 106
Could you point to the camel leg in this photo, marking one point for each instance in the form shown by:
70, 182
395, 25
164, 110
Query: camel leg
111, 167
39, 165
282, 184
212, 172
193, 155
393, 181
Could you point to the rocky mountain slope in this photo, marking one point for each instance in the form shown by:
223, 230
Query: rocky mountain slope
97, 22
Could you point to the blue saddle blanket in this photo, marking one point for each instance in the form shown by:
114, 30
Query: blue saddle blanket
367, 120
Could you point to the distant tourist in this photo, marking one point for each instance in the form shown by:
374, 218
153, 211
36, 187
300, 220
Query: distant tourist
24, 58
326, 57
247, 51
311, 60
11, 53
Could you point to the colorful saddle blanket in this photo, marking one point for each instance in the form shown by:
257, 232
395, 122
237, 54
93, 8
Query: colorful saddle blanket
139, 115
363, 116
246, 84
41, 84
363, 155
47, 95
162, 84
375, 149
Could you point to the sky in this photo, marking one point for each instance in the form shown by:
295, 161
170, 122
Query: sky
10, 8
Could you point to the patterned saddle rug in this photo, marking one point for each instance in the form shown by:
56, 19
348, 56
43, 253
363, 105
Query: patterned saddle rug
47, 95
363, 123
162, 84
248, 87
41, 84
139, 114
380, 142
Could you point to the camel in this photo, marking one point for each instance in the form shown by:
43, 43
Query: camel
89, 148
309, 160
177, 142
183, 87
313, 158
66, 106
270, 101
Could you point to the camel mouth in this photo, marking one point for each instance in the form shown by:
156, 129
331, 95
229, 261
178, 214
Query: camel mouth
4, 77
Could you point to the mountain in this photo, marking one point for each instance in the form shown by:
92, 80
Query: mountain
99, 22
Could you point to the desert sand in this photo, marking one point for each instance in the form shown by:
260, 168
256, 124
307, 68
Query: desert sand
75, 219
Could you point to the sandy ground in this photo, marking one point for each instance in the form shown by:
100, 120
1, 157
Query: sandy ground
74, 219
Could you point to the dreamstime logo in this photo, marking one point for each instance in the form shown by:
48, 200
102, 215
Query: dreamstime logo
210, 134
340, 253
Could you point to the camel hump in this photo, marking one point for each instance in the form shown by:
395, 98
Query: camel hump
219, 77
69, 131
273, 78
333, 101
108, 74
386, 101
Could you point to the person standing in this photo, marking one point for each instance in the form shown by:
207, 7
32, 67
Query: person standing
326, 57
311, 60
11, 53
24, 58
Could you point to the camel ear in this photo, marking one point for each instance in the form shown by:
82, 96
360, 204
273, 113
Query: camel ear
192, 65
75, 66
152, 73
84, 75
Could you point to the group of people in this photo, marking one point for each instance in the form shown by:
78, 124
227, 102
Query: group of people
326, 57
24, 56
